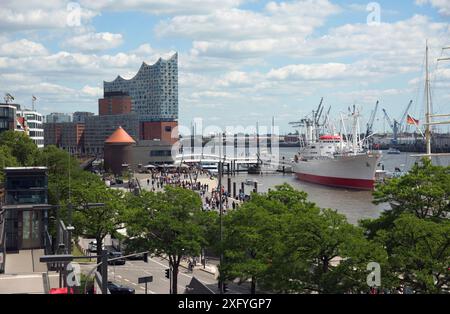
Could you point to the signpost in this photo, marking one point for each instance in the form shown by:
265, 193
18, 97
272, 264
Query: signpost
145, 280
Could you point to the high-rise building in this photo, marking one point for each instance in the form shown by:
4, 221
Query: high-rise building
153, 90
58, 117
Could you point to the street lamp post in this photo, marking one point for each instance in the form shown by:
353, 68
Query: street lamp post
220, 212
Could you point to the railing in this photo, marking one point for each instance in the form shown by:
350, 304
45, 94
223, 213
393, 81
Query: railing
48, 247
62, 238
2, 242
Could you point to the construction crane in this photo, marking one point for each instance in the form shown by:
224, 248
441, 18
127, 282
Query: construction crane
369, 130
395, 125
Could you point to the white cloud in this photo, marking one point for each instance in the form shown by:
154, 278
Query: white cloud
92, 91
92, 42
309, 72
36, 15
286, 19
162, 6
442, 5
22, 48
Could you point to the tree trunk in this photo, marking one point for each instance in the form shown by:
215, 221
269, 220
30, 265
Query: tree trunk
325, 265
175, 279
99, 251
253, 287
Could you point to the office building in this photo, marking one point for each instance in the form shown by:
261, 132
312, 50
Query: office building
114, 103
68, 136
8, 119
99, 128
58, 117
35, 123
80, 116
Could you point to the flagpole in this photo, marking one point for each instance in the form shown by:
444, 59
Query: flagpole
417, 126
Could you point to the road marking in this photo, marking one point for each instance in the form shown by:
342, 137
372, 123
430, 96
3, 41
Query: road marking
152, 292
126, 280
118, 276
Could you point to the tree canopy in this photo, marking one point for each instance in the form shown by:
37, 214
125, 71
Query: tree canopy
172, 223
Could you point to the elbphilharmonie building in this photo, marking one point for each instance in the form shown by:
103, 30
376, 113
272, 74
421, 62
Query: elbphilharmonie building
153, 90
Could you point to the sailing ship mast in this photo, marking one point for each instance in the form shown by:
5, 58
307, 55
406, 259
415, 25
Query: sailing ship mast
428, 115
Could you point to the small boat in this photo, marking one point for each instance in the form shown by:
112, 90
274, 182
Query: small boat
393, 151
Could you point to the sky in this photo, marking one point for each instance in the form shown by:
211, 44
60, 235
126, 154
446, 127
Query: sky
240, 61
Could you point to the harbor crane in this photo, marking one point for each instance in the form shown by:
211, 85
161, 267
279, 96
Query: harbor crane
369, 130
396, 125
312, 123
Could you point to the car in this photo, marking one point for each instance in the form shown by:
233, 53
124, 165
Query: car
119, 289
92, 247
113, 254
137, 257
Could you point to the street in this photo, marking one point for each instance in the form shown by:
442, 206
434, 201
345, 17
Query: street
129, 273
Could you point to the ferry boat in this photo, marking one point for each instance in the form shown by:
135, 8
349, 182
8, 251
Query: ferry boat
330, 160
210, 166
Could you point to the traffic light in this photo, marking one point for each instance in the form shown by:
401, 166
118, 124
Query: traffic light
167, 273
146, 257
225, 288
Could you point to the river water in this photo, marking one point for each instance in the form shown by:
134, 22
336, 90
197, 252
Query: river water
354, 204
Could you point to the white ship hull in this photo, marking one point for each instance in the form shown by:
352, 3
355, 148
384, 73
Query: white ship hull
352, 171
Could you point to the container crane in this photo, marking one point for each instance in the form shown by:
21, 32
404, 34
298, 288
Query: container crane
395, 125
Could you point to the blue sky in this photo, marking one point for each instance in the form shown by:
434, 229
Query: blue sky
240, 61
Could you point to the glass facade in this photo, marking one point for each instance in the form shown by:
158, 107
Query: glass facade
25, 224
154, 90
26, 188
7, 117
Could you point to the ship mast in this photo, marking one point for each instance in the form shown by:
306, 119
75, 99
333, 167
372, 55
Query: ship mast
428, 106
428, 115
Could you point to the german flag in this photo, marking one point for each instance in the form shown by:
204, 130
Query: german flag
411, 120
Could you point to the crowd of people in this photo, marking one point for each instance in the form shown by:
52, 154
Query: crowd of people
191, 178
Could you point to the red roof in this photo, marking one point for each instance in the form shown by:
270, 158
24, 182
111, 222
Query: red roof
120, 136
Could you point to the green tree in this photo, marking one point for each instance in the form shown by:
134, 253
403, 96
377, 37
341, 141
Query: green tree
96, 221
288, 244
424, 192
6, 160
419, 253
171, 222
324, 253
63, 171
251, 234
21, 145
